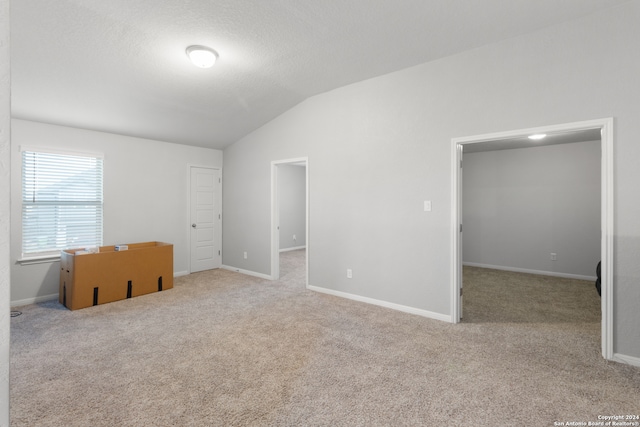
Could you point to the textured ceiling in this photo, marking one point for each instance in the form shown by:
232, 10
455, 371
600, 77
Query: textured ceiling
120, 65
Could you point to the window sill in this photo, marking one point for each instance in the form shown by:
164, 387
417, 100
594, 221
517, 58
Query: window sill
39, 259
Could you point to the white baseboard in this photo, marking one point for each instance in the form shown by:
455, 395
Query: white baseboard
247, 272
295, 248
525, 270
386, 304
35, 300
28, 301
627, 360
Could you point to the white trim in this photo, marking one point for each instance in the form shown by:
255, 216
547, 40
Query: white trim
247, 272
61, 151
627, 360
28, 301
606, 247
44, 259
456, 247
295, 248
529, 271
35, 300
607, 215
385, 304
218, 228
275, 219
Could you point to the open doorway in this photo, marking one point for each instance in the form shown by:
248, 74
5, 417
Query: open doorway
512, 140
290, 217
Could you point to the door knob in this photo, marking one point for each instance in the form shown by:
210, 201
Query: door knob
193, 225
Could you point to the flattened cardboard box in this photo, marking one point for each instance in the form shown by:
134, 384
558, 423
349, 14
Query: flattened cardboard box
88, 279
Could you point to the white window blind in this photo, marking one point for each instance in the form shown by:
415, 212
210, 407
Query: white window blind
61, 202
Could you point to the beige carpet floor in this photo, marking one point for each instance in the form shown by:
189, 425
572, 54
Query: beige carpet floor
223, 349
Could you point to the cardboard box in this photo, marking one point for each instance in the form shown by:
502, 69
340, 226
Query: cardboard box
88, 279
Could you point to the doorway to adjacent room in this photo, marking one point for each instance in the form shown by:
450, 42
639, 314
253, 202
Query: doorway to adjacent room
289, 211
605, 128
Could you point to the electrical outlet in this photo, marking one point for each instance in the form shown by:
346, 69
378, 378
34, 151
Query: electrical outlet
554, 256
245, 255
349, 273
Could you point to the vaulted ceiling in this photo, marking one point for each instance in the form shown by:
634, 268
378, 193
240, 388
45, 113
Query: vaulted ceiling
120, 65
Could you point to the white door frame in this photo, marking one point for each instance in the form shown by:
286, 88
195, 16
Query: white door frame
218, 229
275, 216
606, 207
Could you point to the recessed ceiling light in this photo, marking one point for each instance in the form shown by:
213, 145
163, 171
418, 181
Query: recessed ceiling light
202, 56
537, 136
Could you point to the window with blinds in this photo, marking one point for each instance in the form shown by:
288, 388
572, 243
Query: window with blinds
61, 202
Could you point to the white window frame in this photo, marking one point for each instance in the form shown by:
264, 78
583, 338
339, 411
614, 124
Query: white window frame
53, 253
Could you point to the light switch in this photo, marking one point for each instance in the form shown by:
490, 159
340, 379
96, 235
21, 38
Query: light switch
427, 205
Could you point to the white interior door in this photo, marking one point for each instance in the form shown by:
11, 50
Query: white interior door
205, 218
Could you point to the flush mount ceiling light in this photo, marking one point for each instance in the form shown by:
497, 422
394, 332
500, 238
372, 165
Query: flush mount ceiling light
202, 56
537, 136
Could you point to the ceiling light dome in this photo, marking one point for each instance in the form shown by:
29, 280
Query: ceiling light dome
202, 56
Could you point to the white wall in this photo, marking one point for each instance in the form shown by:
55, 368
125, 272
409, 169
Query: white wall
380, 147
292, 190
145, 195
5, 167
521, 205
